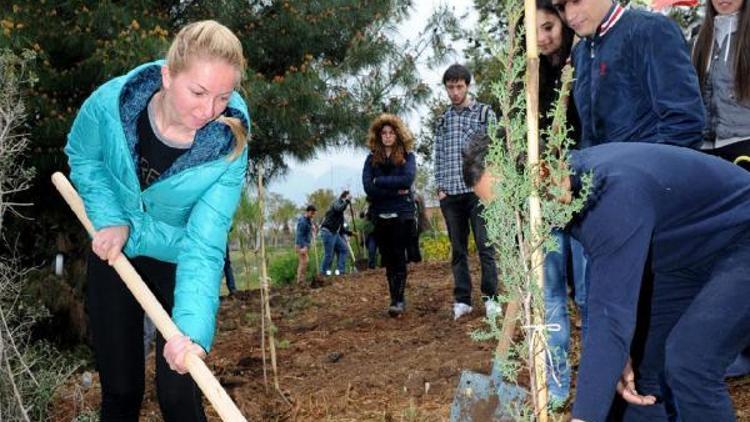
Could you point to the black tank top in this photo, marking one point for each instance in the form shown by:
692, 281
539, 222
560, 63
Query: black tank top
155, 153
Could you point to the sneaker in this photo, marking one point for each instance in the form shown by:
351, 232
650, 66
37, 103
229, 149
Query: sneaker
461, 309
336, 272
492, 309
396, 310
328, 273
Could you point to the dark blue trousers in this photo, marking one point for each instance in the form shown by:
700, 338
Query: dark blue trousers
699, 322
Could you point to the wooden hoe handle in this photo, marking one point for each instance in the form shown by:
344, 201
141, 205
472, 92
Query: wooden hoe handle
214, 392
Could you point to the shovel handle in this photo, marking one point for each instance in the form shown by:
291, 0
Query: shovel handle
202, 376
508, 329
354, 258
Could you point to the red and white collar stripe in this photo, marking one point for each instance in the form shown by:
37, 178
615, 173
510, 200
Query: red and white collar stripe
611, 20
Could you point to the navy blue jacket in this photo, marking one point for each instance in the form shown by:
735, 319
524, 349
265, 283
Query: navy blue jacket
382, 183
682, 205
634, 82
304, 232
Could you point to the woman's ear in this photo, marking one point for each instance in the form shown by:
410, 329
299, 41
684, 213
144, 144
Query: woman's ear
166, 77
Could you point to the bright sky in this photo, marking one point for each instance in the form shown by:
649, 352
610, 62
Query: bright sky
341, 168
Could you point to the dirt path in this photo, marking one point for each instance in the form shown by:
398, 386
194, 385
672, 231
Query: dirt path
341, 358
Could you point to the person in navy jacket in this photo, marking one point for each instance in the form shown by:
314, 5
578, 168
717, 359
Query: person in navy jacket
634, 80
684, 217
388, 176
690, 215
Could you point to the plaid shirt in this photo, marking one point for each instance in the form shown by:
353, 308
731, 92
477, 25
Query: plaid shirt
453, 131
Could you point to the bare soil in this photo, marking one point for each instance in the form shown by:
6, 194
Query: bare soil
340, 357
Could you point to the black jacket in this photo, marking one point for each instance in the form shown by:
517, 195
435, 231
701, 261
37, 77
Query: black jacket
334, 218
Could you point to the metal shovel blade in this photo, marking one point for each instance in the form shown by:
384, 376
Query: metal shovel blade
482, 398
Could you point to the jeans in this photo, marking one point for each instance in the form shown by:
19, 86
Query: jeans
228, 273
372, 250
556, 308
116, 322
699, 320
462, 212
333, 243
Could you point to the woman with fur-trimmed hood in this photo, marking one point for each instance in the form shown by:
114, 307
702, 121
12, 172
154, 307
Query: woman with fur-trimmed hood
387, 176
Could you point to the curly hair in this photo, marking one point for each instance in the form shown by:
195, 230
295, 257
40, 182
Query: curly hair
403, 145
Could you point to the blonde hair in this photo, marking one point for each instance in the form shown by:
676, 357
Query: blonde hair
404, 140
209, 39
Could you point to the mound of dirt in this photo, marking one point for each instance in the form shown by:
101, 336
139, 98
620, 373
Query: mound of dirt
340, 357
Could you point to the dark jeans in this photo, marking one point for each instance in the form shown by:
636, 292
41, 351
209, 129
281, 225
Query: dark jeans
372, 250
461, 212
699, 320
228, 273
116, 322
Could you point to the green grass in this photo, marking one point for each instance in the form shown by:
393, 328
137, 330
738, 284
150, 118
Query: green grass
282, 266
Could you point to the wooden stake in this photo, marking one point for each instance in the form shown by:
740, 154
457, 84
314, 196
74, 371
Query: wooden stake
537, 256
266, 299
263, 325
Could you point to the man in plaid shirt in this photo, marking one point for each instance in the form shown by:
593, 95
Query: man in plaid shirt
460, 206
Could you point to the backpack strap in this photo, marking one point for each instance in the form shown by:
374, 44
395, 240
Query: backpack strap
484, 111
440, 122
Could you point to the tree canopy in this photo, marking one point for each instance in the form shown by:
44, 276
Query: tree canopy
321, 199
319, 71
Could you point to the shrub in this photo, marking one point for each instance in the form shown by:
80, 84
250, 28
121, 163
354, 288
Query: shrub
30, 372
436, 246
282, 267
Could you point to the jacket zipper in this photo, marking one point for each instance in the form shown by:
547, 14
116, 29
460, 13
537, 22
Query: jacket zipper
591, 88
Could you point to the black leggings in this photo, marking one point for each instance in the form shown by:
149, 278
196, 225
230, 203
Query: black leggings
393, 236
116, 322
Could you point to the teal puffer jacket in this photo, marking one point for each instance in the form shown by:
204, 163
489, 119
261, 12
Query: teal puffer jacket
184, 216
